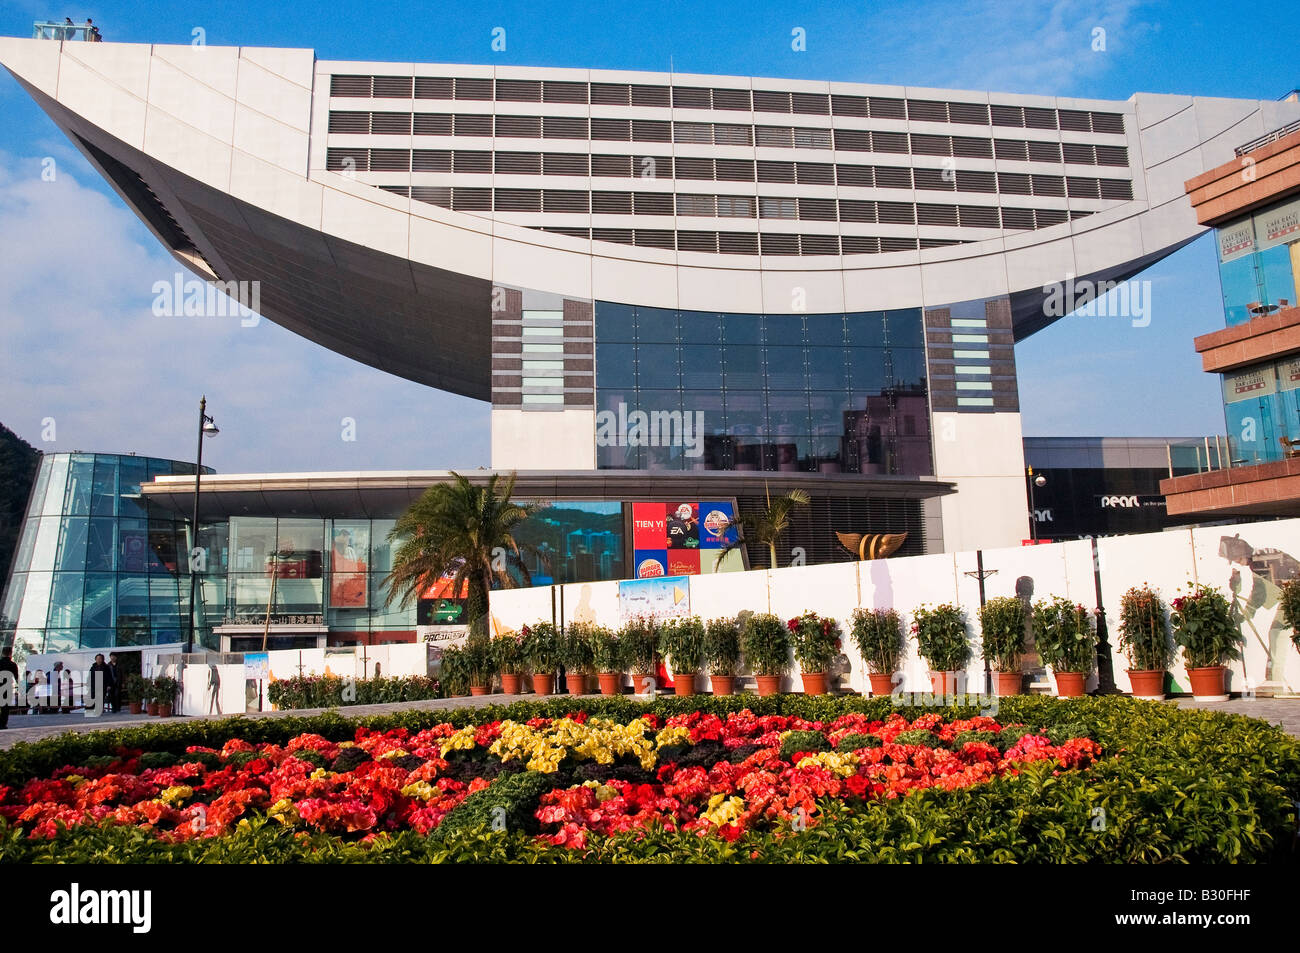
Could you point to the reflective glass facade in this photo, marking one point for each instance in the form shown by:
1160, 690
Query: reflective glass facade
1259, 262
816, 392
96, 565
1261, 405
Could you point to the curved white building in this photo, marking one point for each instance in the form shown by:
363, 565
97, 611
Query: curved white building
811, 276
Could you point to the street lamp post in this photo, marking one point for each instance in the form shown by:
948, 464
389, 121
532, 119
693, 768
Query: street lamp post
207, 428
1033, 481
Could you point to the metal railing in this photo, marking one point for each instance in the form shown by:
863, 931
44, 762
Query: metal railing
53, 30
1268, 137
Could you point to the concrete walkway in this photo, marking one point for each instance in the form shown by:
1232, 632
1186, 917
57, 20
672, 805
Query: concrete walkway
1283, 712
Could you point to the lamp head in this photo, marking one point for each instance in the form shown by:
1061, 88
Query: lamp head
1040, 480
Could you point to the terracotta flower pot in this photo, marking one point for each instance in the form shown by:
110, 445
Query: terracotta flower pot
164, 710
814, 683
944, 683
639, 680
134, 707
611, 683
478, 689
722, 684
1148, 684
577, 682
1008, 683
510, 683
768, 684
543, 684
153, 708
1208, 683
1070, 684
683, 683
882, 683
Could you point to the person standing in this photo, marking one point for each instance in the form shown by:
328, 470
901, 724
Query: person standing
100, 684
8, 685
115, 687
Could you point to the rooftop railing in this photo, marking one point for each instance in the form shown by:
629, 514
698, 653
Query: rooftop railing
1268, 137
52, 30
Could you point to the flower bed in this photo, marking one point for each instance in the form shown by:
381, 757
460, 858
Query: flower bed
791, 779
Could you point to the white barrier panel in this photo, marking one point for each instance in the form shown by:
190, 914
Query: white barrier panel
1248, 562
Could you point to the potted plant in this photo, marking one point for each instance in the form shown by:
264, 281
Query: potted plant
1204, 628
454, 674
766, 642
150, 696
508, 656
607, 657
640, 638
136, 687
878, 634
479, 663
816, 646
1066, 641
682, 642
1002, 624
542, 653
1144, 638
721, 654
941, 638
164, 692
576, 656
1289, 606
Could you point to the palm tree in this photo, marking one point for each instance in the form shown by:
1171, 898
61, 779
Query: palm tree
766, 527
464, 533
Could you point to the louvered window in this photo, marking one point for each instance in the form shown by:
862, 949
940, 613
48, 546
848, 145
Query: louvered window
620, 236
564, 163
853, 210
775, 207
564, 127
887, 108
810, 104
698, 132
611, 203
474, 89
1078, 153
471, 200
393, 87
519, 127
889, 142
560, 91
466, 161
971, 148
852, 140
941, 180
1074, 120
978, 216
519, 163
1011, 149
936, 214
729, 134
611, 166
738, 243
815, 173
350, 122
812, 138
1047, 217
927, 110
611, 130
893, 177
896, 213
976, 181
973, 113
889, 244
697, 241
1014, 183
390, 160
518, 200
651, 130
859, 245
655, 238
769, 101
1116, 189
652, 203
688, 168
734, 170
433, 124
433, 195
1112, 155
1007, 116
466, 125
390, 124
774, 137
1017, 218
610, 94
1037, 118
565, 200
859, 176
347, 160
1081, 188
434, 87
776, 171
1053, 185
732, 99
850, 106
817, 210
350, 87
650, 96
431, 160
697, 205
519, 91
1044, 151
819, 245
1108, 122
735, 206
689, 97
776, 244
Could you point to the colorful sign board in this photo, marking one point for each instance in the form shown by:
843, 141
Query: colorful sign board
665, 597
680, 538
257, 665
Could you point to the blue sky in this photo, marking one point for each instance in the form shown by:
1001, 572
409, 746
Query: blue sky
83, 351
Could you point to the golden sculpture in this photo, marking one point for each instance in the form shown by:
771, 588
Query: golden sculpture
872, 545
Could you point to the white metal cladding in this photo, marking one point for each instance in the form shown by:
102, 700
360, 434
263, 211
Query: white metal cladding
924, 196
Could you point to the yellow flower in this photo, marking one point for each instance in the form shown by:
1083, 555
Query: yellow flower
843, 765
283, 811
399, 753
74, 779
462, 740
421, 789
672, 736
320, 774
347, 744
724, 810
175, 794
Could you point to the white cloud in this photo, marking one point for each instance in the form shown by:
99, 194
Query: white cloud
82, 346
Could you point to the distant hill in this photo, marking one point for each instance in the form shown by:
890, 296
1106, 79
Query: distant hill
18, 461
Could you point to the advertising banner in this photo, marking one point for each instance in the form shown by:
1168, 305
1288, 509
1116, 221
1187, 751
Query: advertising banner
680, 538
665, 598
348, 566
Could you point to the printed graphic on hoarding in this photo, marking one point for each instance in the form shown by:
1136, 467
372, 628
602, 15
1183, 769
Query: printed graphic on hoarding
664, 598
681, 538
348, 567
441, 612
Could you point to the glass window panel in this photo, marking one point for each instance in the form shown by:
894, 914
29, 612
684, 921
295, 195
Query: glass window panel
827, 412
825, 330
133, 596
13, 596
97, 639
1240, 288
707, 401
101, 544
743, 366
699, 327
785, 368
742, 329
37, 499
61, 640
618, 458
300, 548
827, 369
22, 559
103, 493
746, 412
57, 486
615, 364
214, 540
701, 365
349, 563
1275, 271
252, 540
784, 329
904, 328
81, 476
381, 550
663, 458
65, 600
866, 328
656, 324
249, 591
72, 544
656, 365
165, 601
787, 414
909, 367
98, 609
867, 369
132, 471
615, 322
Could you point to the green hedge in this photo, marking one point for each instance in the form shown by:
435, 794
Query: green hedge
1174, 785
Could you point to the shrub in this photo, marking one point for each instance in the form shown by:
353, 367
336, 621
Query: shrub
508, 653
766, 640
541, 648
816, 642
682, 640
164, 689
919, 736
1204, 628
606, 650
941, 637
1143, 630
1290, 608
480, 660
640, 640
878, 634
797, 741
721, 649
855, 740
508, 801
158, 759
1064, 635
137, 688
1002, 624
974, 737
455, 670
576, 648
